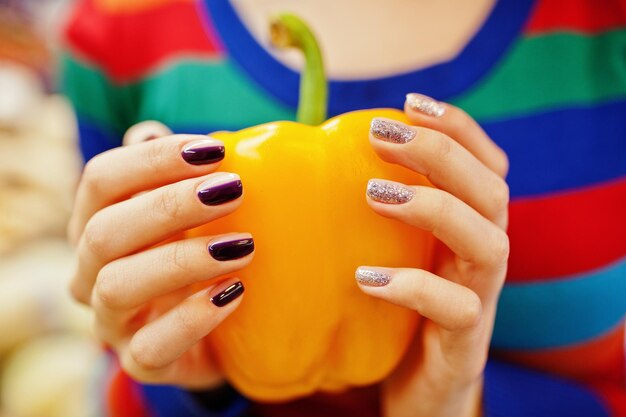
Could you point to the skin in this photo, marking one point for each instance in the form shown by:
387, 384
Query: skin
146, 299
413, 29
152, 304
468, 213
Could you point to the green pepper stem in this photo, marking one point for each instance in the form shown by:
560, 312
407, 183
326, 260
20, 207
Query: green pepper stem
289, 31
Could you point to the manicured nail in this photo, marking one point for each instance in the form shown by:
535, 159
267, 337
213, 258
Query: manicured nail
389, 192
425, 105
391, 131
372, 277
229, 294
220, 188
203, 152
233, 248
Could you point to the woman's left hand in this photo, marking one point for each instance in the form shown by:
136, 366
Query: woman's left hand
441, 375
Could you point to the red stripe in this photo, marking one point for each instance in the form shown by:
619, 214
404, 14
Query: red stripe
123, 397
613, 397
128, 45
598, 359
565, 234
362, 402
585, 16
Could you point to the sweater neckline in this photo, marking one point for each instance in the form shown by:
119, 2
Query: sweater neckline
442, 81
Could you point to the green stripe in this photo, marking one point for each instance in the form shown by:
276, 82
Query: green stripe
545, 72
539, 73
94, 96
209, 94
184, 94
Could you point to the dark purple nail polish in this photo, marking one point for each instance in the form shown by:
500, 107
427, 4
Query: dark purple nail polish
203, 155
232, 249
228, 295
222, 193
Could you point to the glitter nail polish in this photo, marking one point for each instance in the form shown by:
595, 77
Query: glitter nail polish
231, 249
389, 192
228, 295
372, 277
425, 105
391, 131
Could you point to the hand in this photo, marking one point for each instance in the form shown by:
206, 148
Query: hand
441, 375
155, 304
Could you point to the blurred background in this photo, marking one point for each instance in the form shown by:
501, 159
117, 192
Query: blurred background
49, 364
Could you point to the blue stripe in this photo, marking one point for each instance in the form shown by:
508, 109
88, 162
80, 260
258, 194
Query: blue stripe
170, 401
95, 139
561, 312
550, 152
511, 391
443, 81
564, 149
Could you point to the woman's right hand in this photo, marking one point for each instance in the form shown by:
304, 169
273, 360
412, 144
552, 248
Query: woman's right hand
146, 305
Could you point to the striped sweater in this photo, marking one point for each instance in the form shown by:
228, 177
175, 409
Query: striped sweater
547, 81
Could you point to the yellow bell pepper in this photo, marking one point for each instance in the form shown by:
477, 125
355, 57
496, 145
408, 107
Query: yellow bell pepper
304, 325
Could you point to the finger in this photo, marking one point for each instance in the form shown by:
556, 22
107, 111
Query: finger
145, 131
447, 165
127, 283
454, 122
448, 304
164, 340
469, 235
150, 218
122, 172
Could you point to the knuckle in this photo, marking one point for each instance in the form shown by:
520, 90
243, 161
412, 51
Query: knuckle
500, 194
502, 163
500, 248
168, 204
106, 292
177, 257
93, 174
472, 311
441, 147
156, 155
443, 207
143, 358
94, 240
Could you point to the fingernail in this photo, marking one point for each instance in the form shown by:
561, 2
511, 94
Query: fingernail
203, 152
227, 250
220, 189
229, 294
425, 105
390, 131
372, 277
389, 192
